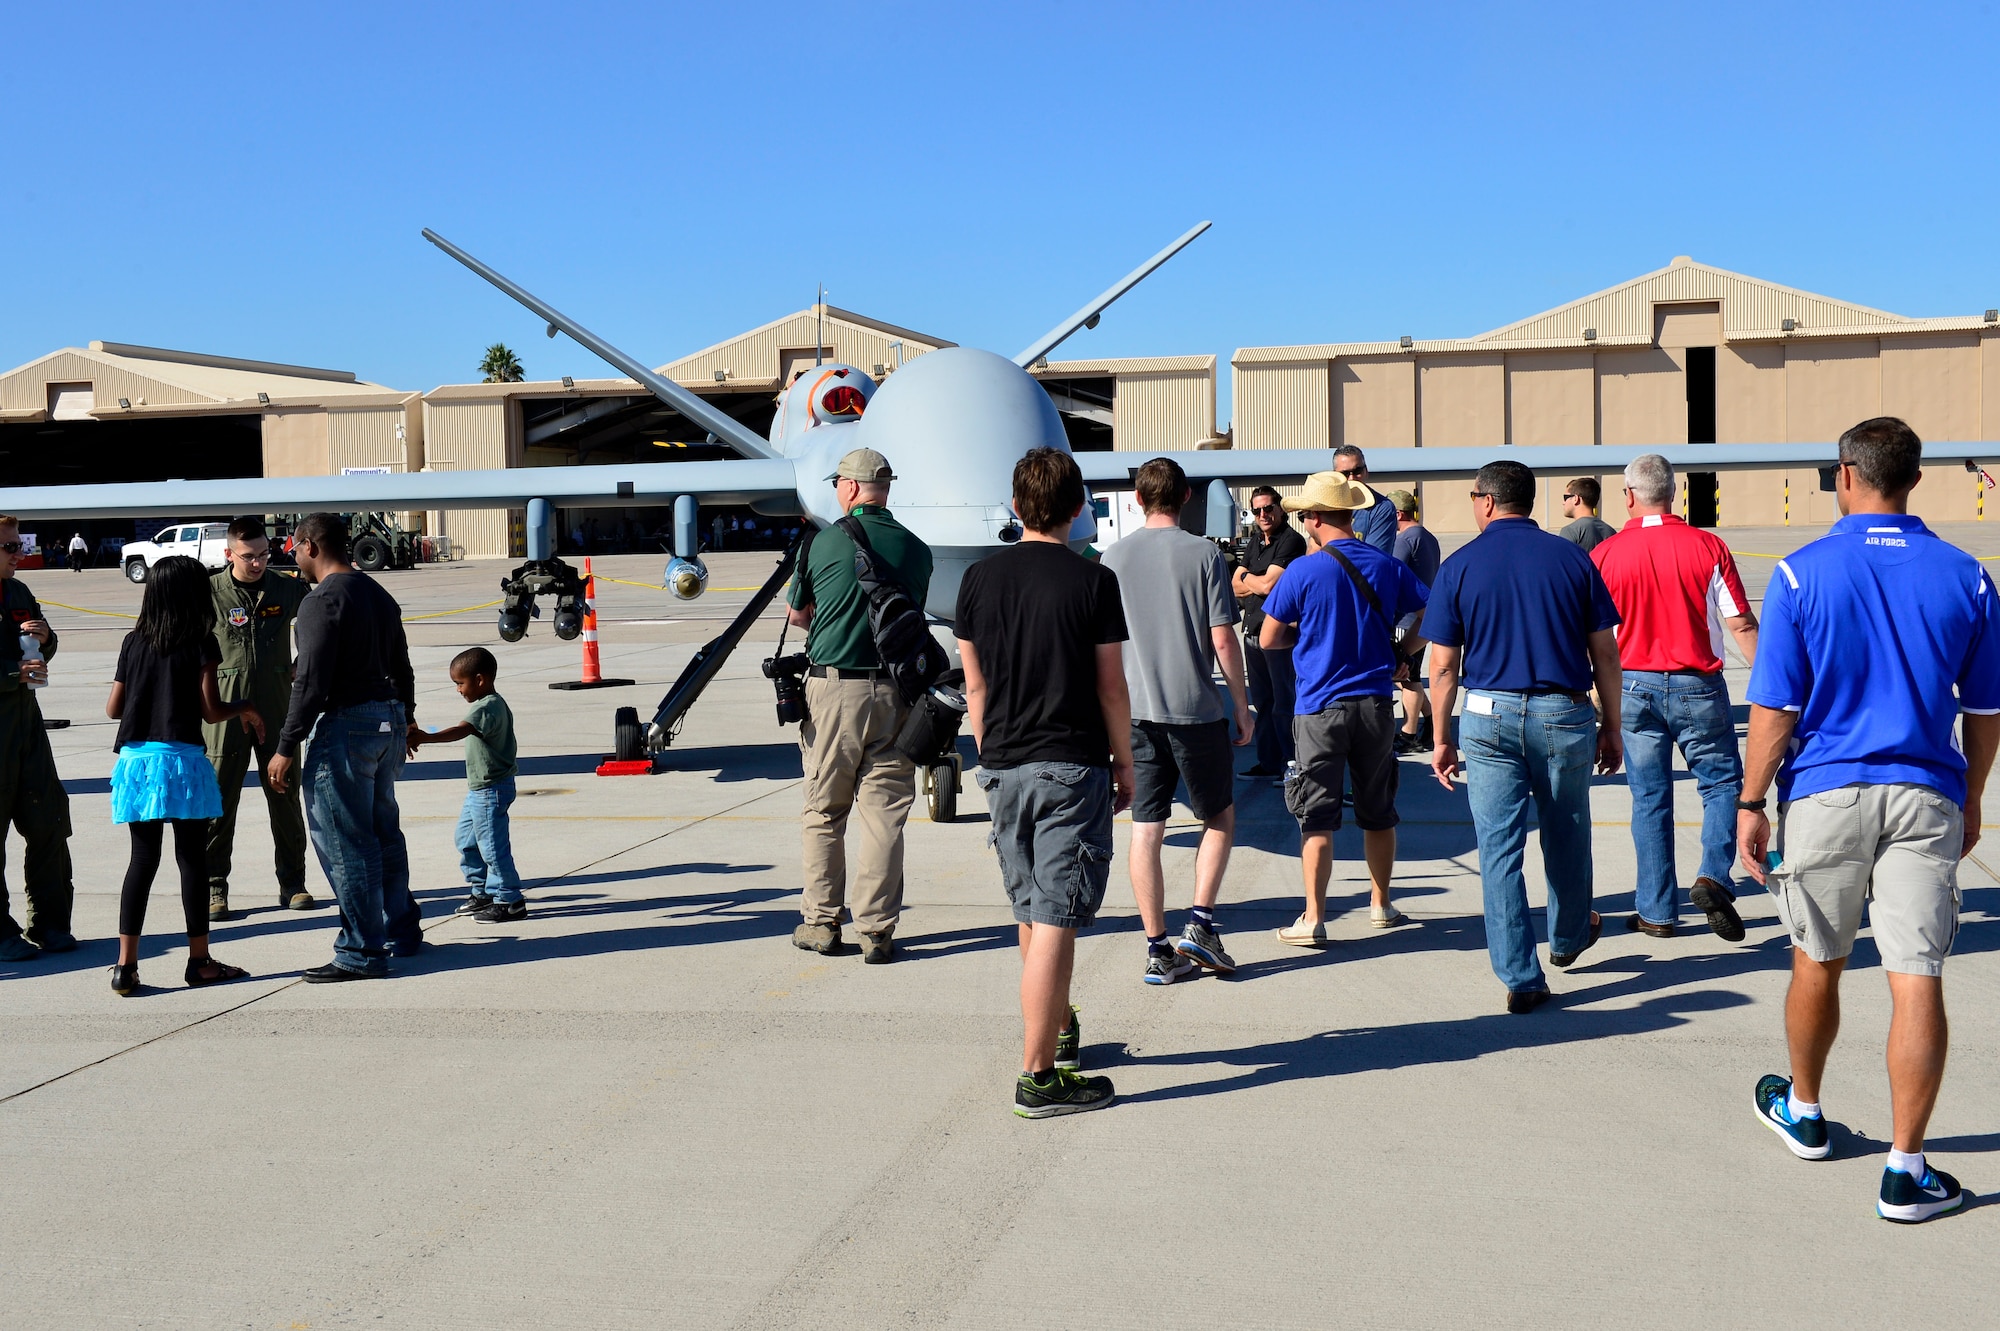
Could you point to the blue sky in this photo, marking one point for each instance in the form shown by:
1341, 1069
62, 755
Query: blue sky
251, 180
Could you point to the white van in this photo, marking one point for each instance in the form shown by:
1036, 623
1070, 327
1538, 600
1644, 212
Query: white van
207, 542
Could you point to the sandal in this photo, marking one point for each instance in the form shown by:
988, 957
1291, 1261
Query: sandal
125, 980
211, 970
1300, 934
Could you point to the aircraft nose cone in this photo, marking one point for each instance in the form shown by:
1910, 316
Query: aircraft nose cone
954, 422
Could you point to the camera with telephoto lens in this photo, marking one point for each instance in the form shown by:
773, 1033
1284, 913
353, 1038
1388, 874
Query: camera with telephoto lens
788, 676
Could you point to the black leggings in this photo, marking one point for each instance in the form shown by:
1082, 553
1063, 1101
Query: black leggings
190, 853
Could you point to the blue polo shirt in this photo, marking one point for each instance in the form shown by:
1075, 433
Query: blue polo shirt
1523, 604
1377, 525
1878, 634
1344, 648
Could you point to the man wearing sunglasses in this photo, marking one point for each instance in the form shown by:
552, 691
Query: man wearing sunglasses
32, 799
1375, 524
254, 611
1269, 548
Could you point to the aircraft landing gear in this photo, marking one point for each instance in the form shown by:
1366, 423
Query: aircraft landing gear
941, 785
541, 577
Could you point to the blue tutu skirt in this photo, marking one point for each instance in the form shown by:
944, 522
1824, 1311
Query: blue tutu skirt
159, 780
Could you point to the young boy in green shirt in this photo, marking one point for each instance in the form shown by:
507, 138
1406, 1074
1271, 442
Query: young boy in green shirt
485, 850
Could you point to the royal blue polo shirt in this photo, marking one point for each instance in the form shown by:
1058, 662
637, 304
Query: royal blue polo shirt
1878, 634
1523, 604
1344, 648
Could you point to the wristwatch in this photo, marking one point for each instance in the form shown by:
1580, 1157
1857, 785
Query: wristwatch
1752, 806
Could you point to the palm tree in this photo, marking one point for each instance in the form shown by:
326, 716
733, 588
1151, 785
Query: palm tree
500, 366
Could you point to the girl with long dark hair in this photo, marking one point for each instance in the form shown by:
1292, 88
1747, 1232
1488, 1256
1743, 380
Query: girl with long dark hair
163, 690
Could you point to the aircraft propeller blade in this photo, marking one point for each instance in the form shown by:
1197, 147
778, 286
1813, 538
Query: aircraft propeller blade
733, 432
1087, 316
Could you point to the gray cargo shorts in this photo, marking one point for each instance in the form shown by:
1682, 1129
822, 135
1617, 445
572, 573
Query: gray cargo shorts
1894, 847
1052, 830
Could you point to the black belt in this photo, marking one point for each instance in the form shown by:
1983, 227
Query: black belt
835, 672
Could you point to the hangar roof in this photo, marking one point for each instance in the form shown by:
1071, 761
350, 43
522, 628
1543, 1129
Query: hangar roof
158, 381
1752, 310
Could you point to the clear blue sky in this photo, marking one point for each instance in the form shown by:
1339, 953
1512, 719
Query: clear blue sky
251, 181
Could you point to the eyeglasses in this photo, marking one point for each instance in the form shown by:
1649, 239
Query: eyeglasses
1264, 508
1480, 494
11, 547
248, 558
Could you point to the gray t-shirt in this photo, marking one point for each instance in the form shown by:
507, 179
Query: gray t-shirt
1175, 588
1588, 531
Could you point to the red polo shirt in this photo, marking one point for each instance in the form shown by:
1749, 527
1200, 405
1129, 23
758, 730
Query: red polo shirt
1673, 585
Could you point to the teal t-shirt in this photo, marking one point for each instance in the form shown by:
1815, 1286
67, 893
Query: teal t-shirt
489, 749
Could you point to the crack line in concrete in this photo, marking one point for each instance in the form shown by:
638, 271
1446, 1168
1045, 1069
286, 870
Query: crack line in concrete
445, 919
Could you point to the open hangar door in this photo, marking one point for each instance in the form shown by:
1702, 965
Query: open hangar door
574, 430
161, 448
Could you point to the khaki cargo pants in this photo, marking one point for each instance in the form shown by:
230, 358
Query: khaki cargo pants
852, 769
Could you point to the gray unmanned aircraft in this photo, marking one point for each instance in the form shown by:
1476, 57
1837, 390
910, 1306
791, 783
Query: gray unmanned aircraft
952, 422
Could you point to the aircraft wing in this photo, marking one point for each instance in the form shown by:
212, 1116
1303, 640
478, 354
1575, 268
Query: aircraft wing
1088, 316
1288, 466
744, 481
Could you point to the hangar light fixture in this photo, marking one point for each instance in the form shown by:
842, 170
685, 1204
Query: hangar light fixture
722, 376
1788, 324
264, 399
1590, 334
125, 402
568, 383
1993, 316
1407, 341
881, 370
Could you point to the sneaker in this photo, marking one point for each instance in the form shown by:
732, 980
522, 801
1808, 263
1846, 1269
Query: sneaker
878, 949
1408, 743
1909, 1201
503, 912
473, 904
17, 948
1069, 1043
51, 940
218, 906
1806, 1138
1167, 967
1385, 917
1715, 901
1060, 1091
300, 900
821, 938
1301, 934
1204, 947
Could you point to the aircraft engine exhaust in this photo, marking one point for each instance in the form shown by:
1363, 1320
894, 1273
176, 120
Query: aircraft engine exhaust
685, 578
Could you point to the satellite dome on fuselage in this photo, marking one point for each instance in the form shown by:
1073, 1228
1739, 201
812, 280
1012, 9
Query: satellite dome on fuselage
828, 394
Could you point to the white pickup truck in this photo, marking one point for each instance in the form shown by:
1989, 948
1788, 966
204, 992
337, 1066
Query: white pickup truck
204, 541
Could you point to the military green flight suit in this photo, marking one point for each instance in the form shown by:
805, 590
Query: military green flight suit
32, 797
254, 625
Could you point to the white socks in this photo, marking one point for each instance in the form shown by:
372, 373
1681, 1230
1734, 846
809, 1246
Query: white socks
1800, 1110
1910, 1162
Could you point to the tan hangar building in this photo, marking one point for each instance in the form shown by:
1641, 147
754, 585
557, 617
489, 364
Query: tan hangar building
1685, 354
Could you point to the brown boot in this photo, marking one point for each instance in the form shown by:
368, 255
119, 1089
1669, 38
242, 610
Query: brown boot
821, 938
878, 949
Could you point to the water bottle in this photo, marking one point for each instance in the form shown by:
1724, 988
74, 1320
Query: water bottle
37, 673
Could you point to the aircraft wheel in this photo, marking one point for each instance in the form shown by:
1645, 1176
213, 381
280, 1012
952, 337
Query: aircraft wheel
942, 781
135, 570
628, 737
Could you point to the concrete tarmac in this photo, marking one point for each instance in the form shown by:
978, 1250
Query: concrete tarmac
643, 1107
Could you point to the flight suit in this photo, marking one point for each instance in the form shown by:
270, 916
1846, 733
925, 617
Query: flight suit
32, 798
254, 625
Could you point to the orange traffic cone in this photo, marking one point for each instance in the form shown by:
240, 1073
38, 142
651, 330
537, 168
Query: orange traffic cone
593, 676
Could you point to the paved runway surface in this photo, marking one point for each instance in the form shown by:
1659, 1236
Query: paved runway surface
642, 1107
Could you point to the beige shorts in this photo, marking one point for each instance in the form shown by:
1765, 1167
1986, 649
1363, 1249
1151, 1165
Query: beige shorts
1895, 847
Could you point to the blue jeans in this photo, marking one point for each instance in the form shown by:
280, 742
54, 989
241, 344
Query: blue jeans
485, 850
1539, 747
352, 760
1691, 712
1273, 692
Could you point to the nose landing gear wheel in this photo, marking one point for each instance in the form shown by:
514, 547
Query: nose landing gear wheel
941, 789
628, 742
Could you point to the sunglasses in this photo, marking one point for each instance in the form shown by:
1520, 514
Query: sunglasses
1348, 474
1264, 508
1479, 494
11, 547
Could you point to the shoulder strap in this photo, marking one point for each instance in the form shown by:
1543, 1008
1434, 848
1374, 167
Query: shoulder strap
865, 553
1361, 583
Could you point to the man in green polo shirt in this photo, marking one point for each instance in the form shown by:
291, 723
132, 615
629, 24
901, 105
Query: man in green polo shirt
853, 713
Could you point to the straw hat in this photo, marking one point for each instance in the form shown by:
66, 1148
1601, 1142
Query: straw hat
1329, 491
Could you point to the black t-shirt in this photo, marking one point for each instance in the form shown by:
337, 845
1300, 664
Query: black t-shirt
1285, 549
1035, 614
162, 693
